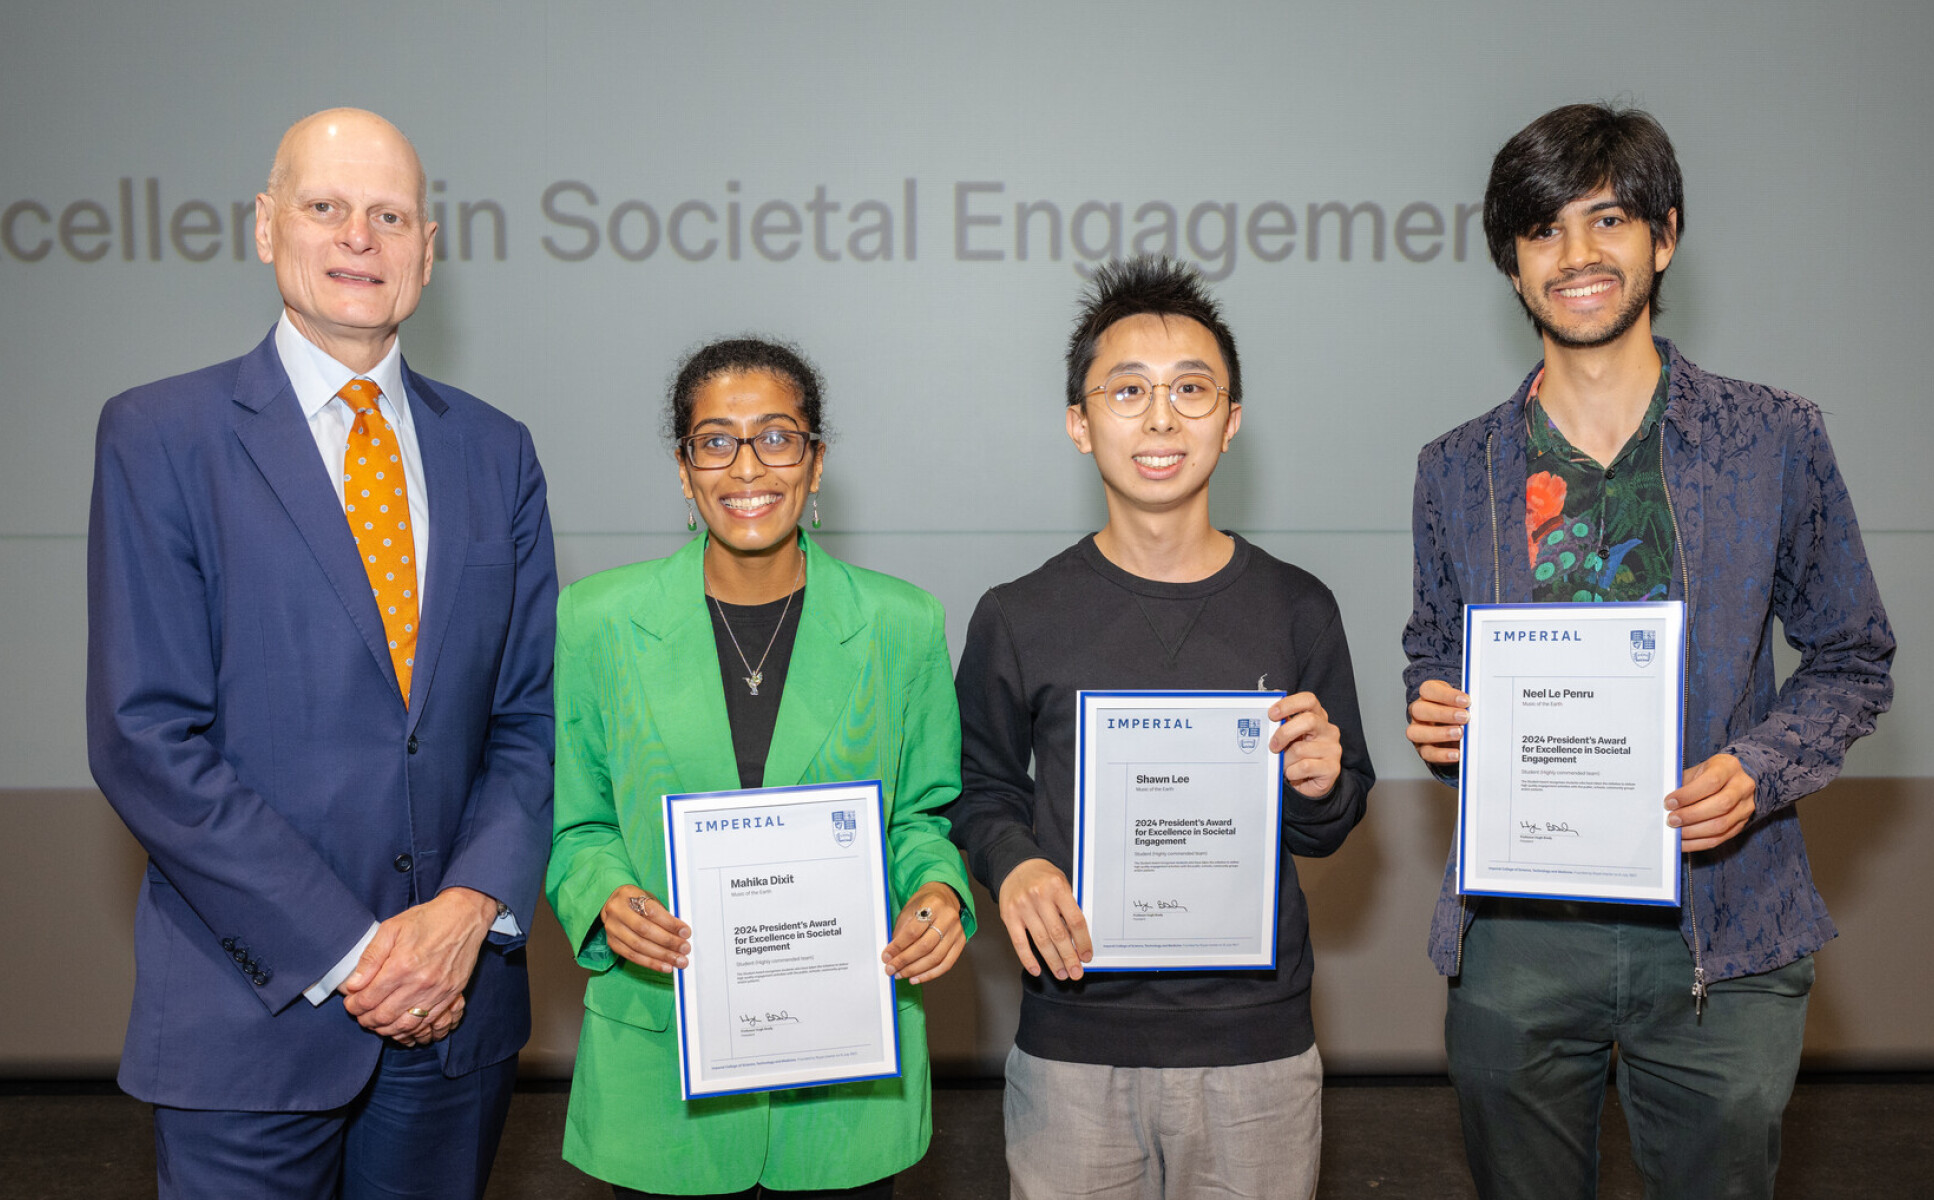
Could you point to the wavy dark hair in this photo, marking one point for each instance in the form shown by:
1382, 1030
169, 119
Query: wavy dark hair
1148, 284
1571, 152
731, 356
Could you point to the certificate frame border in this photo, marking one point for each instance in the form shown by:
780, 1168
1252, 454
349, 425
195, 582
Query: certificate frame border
686, 1093
1082, 699
1676, 751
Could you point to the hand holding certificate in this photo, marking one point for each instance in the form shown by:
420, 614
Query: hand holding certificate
639, 927
1572, 745
928, 937
785, 892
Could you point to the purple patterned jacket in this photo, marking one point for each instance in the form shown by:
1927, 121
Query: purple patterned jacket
1766, 529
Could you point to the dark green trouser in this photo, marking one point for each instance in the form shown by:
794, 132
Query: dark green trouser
1548, 988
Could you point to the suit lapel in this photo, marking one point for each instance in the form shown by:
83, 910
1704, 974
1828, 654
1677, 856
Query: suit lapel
679, 677
1507, 477
277, 439
1685, 468
827, 656
445, 478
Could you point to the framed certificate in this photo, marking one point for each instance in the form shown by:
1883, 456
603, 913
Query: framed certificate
785, 890
1573, 742
1178, 824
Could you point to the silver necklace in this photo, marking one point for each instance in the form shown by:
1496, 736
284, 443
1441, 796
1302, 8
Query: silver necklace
757, 675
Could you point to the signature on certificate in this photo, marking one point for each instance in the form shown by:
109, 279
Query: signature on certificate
1546, 829
1159, 906
754, 1020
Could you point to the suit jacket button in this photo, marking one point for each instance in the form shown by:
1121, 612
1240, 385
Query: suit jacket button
266, 974
259, 978
412, 743
240, 956
402, 864
228, 944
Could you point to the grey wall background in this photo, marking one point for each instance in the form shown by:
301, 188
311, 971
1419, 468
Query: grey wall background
1806, 263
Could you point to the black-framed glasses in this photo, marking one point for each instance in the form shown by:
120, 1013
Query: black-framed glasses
1192, 394
717, 450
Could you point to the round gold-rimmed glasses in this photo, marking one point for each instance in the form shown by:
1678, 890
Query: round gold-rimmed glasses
1129, 393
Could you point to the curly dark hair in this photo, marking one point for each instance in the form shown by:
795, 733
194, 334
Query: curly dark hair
729, 356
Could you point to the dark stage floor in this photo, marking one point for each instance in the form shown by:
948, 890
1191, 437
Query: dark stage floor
1871, 1138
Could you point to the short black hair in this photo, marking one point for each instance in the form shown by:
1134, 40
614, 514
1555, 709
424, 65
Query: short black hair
1148, 284
730, 356
1571, 152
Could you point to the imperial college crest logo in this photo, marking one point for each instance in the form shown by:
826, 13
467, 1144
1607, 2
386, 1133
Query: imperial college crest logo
845, 826
1248, 733
1645, 646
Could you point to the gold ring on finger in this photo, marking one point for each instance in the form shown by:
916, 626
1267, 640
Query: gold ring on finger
419, 1012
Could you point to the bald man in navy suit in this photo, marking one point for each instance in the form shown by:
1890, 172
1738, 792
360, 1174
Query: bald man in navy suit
340, 768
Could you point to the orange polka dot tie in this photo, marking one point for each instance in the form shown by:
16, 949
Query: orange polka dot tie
378, 508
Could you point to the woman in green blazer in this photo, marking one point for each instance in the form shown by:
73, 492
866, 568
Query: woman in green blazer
750, 658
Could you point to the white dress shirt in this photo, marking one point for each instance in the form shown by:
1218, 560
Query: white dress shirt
316, 378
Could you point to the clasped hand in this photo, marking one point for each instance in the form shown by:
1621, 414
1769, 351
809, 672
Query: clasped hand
420, 961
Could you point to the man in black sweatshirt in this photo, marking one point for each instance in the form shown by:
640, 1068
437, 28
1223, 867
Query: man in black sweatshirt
1174, 1083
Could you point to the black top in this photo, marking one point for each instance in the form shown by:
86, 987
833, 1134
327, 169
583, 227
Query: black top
1080, 622
753, 716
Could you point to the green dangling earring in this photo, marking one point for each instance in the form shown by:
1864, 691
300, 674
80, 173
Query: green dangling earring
691, 517
815, 510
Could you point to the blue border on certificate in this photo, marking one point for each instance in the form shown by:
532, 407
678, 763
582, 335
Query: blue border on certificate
1677, 749
1083, 698
678, 977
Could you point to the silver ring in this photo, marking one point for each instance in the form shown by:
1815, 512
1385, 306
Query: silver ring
924, 914
638, 903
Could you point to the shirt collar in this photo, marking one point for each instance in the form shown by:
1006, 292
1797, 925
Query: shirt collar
1545, 437
317, 377
1507, 420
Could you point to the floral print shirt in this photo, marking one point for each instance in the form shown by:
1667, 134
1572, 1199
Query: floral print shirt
1597, 532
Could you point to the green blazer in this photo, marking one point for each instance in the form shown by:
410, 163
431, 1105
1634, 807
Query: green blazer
641, 714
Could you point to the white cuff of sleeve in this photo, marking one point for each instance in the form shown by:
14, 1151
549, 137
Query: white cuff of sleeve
506, 924
327, 985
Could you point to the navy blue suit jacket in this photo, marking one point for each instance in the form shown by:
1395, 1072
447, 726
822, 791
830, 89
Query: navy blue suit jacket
244, 720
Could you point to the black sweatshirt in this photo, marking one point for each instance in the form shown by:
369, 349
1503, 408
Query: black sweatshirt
1081, 623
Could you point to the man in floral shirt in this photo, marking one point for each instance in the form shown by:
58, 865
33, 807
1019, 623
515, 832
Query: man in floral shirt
1597, 532
1639, 476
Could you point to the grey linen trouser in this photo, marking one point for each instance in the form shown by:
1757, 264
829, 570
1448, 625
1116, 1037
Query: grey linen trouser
1162, 1133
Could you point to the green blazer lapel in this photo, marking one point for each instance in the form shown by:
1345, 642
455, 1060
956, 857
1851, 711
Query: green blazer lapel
827, 656
678, 677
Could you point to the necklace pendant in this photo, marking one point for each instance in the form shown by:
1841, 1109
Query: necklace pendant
754, 680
